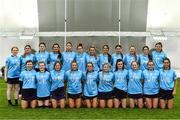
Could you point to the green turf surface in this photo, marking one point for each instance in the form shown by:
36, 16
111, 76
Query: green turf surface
12, 112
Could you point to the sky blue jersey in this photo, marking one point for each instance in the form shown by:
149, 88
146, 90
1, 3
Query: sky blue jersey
135, 82
103, 58
13, 66
53, 57
90, 87
28, 78
68, 57
74, 79
167, 78
43, 84
129, 59
120, 78
143, 60
57, 79
94, 60
158, 58
115, 57
81, 61
151, 82
24, 59
106, 80
42, 56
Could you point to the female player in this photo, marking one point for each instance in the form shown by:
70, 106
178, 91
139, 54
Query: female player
135, 85
151, 85
43, 86
81, 58
168, 84
42, 55
57, 86
158, 56
105, 57
29, 86
55, 56
26, 56
132, 56
105, 88
144, 58
74, 78
120, 84
92, 57
12, 73
68, 56
117, 55
23, 59
90, 86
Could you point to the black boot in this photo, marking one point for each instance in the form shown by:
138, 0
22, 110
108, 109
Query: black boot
16, 102
9, 102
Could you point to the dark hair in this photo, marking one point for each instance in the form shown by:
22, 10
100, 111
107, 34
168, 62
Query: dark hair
14, 47
69, 43
57, 62
149, 56
168, 61
120, 47
119, 60
42, 43
109, 56
27, 46
29, 61
159, 43
135, 55
87, 69
79, 45
59, 53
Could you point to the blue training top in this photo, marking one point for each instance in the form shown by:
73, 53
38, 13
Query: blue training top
28, 78
120, 78
57, 79
74, 79
167, 78
13, 66
90, 87
68, 57
106, 80
135, 82
43, 84
151, 82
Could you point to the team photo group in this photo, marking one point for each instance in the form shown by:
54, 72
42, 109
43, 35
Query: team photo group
82, 78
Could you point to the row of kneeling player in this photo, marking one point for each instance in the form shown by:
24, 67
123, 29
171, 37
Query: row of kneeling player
103, 88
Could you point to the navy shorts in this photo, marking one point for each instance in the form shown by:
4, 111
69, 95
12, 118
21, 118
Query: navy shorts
29, 94
43, 98
75, 96
151, 96
88, 97
58, 93
119, 94
135, 96
13, 80
165, 94
105, 95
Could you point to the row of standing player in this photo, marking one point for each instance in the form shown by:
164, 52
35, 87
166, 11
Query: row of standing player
106, 86
82, 57
13, 62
